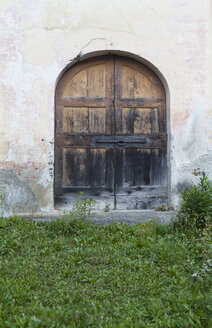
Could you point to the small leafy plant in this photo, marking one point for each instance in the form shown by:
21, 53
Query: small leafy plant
81, 208
107, 207
196, 206
164, 208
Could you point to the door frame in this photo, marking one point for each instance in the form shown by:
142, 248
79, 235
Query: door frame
79, 58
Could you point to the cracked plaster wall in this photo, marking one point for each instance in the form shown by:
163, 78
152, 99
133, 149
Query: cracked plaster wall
39, 38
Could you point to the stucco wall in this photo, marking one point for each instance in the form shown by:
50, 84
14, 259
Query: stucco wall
40, 38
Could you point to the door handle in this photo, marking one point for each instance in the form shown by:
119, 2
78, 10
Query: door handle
120, 141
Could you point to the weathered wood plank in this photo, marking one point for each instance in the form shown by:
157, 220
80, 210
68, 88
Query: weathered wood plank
83, 102
140, 102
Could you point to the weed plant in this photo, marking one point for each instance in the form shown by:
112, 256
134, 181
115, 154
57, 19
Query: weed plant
196, 206
81, 209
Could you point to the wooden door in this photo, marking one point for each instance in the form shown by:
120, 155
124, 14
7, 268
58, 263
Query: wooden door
110, 137
84, 110
140, 111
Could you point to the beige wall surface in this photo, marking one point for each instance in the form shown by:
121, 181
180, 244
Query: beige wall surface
39, 38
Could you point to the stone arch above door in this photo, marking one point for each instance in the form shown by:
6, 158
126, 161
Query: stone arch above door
110, 138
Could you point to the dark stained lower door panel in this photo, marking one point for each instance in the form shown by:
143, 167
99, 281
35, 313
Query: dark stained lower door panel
140, 178
88, 169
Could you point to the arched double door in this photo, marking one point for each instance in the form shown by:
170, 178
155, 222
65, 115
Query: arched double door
110, 137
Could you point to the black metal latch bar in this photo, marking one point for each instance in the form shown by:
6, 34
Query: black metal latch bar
120, 141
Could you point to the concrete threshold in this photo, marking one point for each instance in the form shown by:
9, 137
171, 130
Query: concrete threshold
127, 216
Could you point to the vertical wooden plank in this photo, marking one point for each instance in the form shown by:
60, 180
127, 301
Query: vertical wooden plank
110, 172
97, 117
96, 76
109, 94
117, 96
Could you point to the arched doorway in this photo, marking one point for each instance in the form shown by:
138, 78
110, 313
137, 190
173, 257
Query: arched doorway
110, 138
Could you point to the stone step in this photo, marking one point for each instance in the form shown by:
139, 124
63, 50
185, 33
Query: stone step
127, 216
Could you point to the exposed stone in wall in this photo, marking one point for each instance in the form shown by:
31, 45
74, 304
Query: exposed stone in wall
16, 195
187, 174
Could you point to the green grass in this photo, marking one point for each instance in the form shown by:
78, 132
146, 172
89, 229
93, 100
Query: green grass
79, 274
